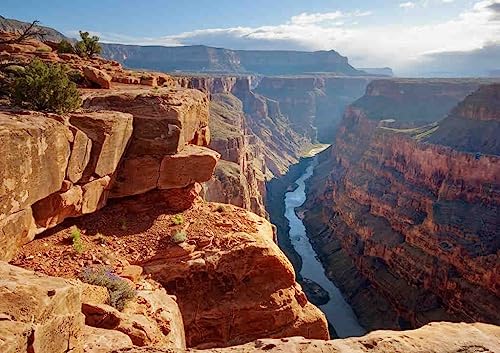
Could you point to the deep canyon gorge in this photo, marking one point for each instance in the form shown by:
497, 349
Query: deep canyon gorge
311, 199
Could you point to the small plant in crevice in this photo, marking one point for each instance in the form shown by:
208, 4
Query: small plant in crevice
222, 208
123, 224
120, 291
178, 219
76, 240
179, 237
101, 239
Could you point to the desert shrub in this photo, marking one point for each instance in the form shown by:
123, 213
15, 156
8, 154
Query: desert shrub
88, 45
43, 50
177, 219
120, 291
76, 240
14, 70
179, 237
65, 47
45, 87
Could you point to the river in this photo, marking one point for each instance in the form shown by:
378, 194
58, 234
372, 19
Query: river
337, 310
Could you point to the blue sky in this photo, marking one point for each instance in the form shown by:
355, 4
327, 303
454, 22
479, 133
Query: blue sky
371, 33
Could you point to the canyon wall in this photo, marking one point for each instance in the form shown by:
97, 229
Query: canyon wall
314, 104
254, 138
405, 221
200, 58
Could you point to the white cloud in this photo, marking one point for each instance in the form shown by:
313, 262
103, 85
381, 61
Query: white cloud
306, 18
397, 45
407, 5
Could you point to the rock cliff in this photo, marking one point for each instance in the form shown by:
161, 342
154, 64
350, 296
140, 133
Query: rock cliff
118, 183
200, 58
313, 104
254, 138
408, 228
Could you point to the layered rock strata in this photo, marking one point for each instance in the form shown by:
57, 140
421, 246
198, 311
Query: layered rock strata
408, 229
314, 104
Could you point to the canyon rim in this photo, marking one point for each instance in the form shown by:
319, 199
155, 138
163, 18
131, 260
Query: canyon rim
194, 198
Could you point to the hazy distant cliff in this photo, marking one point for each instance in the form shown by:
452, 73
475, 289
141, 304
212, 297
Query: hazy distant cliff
201, 58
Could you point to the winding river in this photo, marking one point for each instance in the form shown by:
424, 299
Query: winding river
337, 310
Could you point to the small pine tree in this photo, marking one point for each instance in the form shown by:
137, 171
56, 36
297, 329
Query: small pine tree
88, 45
45, 87
65, 47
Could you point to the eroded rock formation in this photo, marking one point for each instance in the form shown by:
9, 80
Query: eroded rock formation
433, 338
314, 104
407, 228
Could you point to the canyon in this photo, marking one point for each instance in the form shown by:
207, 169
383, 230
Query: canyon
404, 219
190, 188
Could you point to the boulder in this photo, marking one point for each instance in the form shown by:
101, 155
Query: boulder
192, 164
109, 132
164, 120
39, 314
98, 340
235, 287
97, 77
34, 152
151, 319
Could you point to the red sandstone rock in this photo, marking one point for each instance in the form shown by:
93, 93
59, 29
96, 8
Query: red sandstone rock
212, 288
97, 340
110, 133
97, 77
194, 164
417, 220
151, 319
34, 307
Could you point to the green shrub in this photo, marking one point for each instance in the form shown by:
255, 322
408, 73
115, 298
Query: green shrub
179, 237
177, 219
76, 240
120, 291
45, 87
88, 45
65, 47
43, 50
14, 70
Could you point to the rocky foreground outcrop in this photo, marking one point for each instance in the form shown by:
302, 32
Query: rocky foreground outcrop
56, 167
49, 314
433, 338
407, 228
142, 152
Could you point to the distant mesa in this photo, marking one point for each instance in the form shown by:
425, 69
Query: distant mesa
200, 58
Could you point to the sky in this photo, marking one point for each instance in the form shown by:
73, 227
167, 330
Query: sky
407, 36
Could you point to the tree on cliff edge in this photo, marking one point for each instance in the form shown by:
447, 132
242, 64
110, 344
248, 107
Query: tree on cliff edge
88, 45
